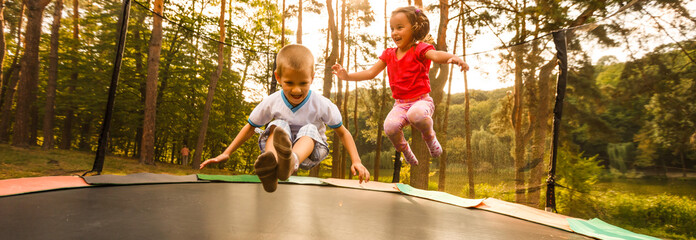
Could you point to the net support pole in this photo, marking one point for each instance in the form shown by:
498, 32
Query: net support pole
396, 175
106, 124
559, 39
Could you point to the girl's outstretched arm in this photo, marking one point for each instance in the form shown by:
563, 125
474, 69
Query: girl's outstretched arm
368, 74
445, 57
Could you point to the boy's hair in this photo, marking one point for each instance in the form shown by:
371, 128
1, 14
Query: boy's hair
294, 56
417, 18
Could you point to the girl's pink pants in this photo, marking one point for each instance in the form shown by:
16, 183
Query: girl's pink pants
416, 111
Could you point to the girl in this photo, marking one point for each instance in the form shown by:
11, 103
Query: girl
408, 65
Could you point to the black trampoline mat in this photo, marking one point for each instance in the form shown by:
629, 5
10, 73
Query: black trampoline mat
245, 211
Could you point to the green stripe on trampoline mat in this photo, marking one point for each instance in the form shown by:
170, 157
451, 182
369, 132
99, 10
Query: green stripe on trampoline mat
602, 230
438, 196
305, 180
255, 179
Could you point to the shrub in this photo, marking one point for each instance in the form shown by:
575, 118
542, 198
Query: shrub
661, 213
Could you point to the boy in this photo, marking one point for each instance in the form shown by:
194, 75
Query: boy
296, 136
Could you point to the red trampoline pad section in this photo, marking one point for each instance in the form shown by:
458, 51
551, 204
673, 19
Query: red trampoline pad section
36, 184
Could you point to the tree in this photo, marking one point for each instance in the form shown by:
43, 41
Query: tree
66, 138
28, 77
382, 103
673, 114
12, 77
211, 89
2, 46
299, 22
147, 148
52, 76
443, 159
299, 10
328, 76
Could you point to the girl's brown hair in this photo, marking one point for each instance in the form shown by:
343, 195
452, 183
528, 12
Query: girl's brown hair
417, 18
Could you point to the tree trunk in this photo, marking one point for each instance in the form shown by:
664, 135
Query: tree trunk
4, 87
2, 46
282, 29
138, 142
342, 99
28, 76
382, 102
6, 118
355, 105
337, 148
683, 162
211, 91
299, 22
443, 158
342, 54
328, 77
52, 76
438, 73
85, 133
346, 118
12, 77
66, 137
147, 148
34, 127
467, 126
137, 32
519, 151
168, 58
419, 173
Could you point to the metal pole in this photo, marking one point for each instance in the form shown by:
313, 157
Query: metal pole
396, 175
104, 136
559, 38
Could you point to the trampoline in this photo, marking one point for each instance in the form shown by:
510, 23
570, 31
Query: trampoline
245, 211
161, 206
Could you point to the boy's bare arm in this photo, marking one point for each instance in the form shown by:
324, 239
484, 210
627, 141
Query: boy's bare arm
244, 134
368, 74
445, 57
356, 167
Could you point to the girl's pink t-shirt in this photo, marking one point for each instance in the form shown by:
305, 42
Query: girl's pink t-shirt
408, 76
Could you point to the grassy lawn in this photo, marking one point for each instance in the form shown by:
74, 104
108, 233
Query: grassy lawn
35, 162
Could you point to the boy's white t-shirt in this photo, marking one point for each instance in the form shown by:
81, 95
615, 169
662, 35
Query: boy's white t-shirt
314, 109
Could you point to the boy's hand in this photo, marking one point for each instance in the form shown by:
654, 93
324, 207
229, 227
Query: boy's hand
362, 172
339, 71
221, 158
460, 62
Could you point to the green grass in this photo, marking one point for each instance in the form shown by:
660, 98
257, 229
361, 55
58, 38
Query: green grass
35, 162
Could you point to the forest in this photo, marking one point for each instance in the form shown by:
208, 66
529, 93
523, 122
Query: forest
192, 71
